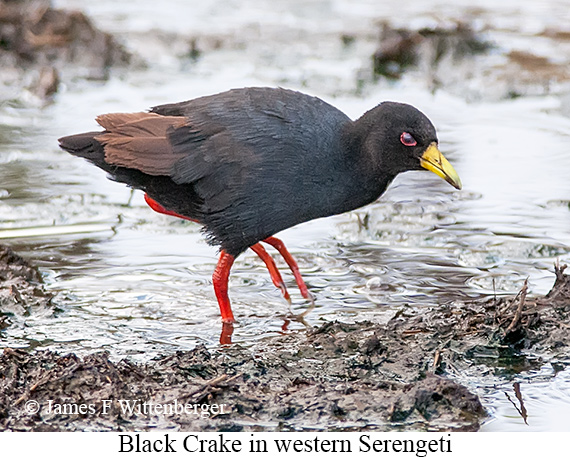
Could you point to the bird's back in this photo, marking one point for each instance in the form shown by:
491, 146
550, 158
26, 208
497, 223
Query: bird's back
246, 163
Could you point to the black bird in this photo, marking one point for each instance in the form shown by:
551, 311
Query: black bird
248, 163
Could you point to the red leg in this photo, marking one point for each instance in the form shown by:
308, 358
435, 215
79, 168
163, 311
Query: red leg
222, 272
257, 248
273, 271
162, 210
280, 246
220, 278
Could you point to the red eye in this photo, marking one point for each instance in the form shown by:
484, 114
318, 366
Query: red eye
407, 139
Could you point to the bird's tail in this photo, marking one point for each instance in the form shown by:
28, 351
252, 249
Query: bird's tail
88, 146
85, 145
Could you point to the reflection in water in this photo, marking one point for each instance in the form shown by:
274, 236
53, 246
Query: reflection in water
138, 283
546, 399
520, 407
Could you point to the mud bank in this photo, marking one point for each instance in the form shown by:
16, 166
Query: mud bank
356, 376
21, 288
40, 44
474, 61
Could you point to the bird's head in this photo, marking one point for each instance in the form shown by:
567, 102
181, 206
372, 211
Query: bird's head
406, 140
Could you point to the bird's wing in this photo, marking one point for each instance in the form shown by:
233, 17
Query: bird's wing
220, 144
189, 151
139, 141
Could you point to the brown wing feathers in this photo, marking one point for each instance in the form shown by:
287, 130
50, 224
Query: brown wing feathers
139, 141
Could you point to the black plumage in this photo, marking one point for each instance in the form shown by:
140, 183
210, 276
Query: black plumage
249, 163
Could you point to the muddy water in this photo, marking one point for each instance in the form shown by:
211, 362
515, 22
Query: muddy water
138, 283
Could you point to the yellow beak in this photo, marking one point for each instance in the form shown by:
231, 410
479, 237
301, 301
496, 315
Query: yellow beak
433, 160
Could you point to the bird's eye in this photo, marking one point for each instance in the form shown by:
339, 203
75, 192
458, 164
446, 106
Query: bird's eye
407, 139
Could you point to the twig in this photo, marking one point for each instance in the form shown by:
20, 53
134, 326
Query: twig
47, 378
436, 360
518, 313
559, 270
509, 305
211, 383
412, 332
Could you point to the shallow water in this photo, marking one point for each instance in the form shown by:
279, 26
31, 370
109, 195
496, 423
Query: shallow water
138, 283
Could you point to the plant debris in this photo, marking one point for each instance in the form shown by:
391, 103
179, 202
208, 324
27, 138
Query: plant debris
21, 287
340, 376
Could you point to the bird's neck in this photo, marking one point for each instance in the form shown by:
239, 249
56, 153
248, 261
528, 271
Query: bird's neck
363, 153
367, 179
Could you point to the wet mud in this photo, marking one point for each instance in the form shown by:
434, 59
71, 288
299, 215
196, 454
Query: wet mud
462, 58
359, 376
42, 46
40, 43
402, 48
21, 289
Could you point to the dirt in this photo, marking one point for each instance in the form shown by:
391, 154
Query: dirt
359, 376
20, 288
401, 48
